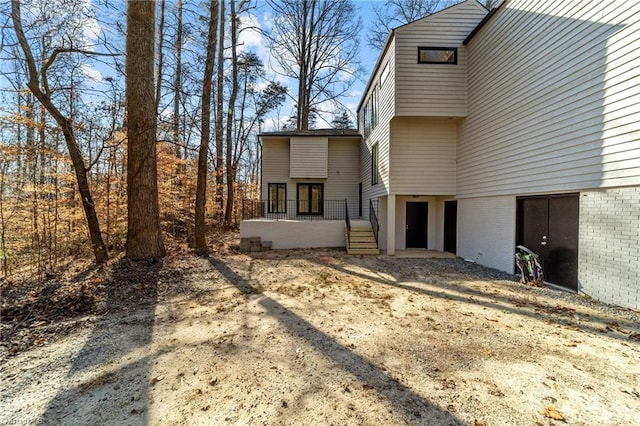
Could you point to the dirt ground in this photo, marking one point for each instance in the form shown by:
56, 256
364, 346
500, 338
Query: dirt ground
311, 337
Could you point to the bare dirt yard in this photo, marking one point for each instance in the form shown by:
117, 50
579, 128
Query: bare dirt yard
311, 337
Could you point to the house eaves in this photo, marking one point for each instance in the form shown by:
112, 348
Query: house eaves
375, 68
392, 34
483, 22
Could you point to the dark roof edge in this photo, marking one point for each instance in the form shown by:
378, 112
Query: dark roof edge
372, 77
313, 132
391, 35
482, 23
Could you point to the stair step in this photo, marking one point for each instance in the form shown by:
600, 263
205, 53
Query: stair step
363, 247
356, 239
363, 251
361, 241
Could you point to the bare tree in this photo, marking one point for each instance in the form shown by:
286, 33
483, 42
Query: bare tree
219, 164
316, 43
144, 237
201, 185
394, 13
160, 56
231, 175
177, 82
38, 84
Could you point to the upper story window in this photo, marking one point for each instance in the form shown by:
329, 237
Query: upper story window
437, 55
385, 73
375, 164
370, 112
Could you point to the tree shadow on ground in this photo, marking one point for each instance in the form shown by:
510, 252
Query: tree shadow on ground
449, 273
409, 403
121, 340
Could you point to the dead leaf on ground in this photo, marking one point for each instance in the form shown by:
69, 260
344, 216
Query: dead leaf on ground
156, 379
632, 392
552, 412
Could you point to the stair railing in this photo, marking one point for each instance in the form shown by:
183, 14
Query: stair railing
347, 222
373, 219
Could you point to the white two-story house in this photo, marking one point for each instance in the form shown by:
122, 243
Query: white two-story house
483, 130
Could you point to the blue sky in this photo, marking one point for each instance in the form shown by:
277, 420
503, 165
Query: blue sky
253, 41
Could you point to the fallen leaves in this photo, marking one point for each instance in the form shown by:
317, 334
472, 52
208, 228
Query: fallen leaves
632, 392
156, 379
552, 412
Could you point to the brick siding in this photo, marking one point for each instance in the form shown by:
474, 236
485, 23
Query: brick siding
609, 250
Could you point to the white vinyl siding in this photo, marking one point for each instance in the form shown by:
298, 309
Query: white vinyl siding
554, 90
275, 165
341, 180
435, 89
379, 134
309, 157
423, 156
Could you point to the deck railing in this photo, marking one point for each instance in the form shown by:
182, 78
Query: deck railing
294, 210
373, 218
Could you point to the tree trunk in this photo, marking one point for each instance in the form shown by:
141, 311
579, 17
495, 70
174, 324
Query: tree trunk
219, 114
231, 175
160, 56
3, 224
144, 237
99, 249
201, 186
177, 83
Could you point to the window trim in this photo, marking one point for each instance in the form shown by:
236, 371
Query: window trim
310, 202
278, 185
375, 163
370, 112
384, 74
453, 49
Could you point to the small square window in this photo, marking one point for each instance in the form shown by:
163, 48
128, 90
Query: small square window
437, 55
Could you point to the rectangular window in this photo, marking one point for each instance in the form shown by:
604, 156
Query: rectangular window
370, 112
310, 199
385, 73
437, 55
277, 198
374, 164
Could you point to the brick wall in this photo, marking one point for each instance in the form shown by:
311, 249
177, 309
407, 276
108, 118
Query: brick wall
609, 248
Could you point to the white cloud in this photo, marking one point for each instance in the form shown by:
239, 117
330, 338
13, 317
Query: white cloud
91, 72
91, 30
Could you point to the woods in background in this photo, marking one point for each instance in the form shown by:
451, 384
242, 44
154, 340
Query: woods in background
71, 150
109, 135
